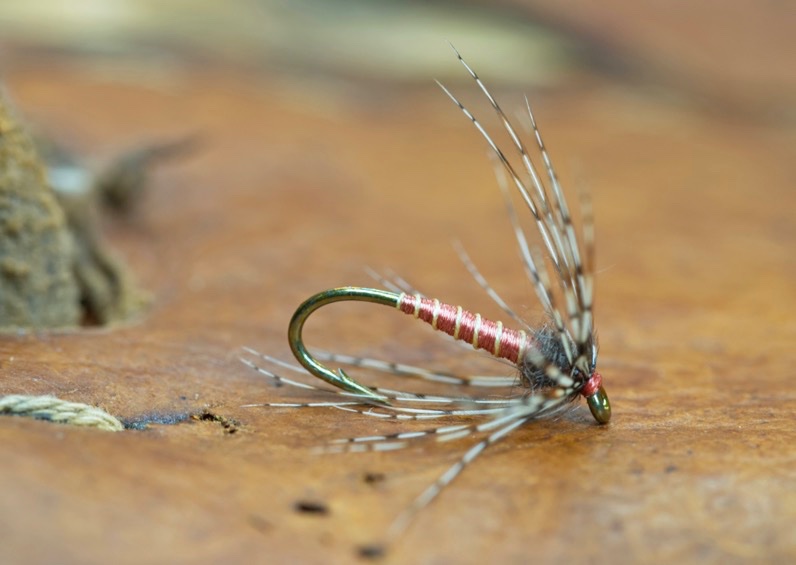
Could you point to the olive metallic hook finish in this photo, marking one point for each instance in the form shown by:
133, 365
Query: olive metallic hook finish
453, 320
339, 379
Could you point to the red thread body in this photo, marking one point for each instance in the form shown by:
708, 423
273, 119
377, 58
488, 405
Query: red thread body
460, 324
592, 385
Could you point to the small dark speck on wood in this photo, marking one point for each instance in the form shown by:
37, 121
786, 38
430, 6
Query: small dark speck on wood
311, 507
371, 551
373, 478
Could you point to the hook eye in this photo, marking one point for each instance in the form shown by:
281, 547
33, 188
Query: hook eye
600, 406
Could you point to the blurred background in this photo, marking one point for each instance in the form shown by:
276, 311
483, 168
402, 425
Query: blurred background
734, 57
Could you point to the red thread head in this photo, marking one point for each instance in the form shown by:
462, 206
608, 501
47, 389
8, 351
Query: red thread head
592, 385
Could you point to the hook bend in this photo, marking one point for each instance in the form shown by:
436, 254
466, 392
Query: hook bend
294, 334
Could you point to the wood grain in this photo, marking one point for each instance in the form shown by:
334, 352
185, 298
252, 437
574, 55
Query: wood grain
695, 309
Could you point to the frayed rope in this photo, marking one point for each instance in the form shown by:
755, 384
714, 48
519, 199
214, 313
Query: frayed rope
56, 410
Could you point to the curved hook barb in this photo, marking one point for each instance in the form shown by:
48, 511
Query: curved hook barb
339, 378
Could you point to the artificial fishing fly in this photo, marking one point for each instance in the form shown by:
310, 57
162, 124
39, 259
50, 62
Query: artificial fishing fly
556, 363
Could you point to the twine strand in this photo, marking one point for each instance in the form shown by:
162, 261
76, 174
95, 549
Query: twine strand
54, 409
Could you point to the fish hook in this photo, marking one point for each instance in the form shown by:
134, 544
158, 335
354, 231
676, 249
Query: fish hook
339, 378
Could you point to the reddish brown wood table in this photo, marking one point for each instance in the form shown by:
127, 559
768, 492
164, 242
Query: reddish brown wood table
295, 191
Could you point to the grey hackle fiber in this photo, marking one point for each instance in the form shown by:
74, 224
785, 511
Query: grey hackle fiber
56, 410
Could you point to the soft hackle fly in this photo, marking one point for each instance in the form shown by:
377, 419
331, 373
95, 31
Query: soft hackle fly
556, 363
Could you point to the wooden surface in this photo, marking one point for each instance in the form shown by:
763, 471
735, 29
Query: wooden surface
295, 191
